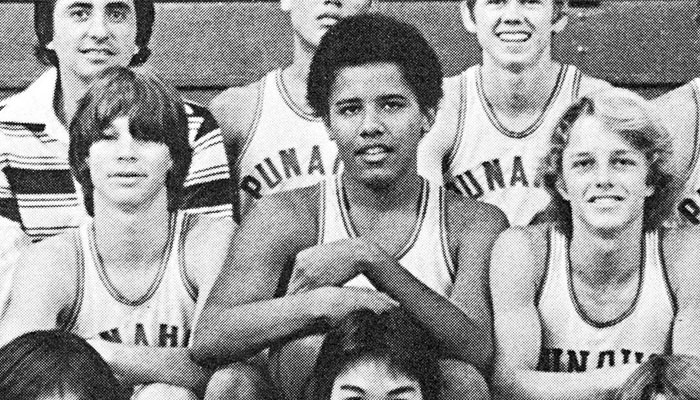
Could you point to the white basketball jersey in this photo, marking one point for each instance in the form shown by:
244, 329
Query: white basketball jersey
689, 205
161, 317
571, 342
426, 254
286, 149
497, 165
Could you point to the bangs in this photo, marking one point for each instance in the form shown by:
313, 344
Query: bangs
152, 116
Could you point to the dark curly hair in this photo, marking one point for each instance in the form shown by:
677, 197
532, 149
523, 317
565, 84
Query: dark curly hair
42, 364
392, 336
633, 119
156, 113
373, 38
43, 26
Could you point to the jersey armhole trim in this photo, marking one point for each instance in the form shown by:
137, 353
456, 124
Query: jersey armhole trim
321, 219
457, 142
576, 86
664, 271
547, 261
444, 237
187, 281
250, 132
696, 132
74, 310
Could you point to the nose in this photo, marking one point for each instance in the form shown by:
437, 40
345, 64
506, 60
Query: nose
512, 12
372, 125
126, 149
602, 176
98, 26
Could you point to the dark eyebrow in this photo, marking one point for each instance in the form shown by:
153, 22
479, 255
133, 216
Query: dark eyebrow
118, 4
79, 4
352, 387
402, 390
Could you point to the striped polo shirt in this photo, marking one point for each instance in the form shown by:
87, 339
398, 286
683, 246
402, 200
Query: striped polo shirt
38, 191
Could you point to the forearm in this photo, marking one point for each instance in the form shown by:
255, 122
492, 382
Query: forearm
538, 385
228, 334
137, 365
462, 337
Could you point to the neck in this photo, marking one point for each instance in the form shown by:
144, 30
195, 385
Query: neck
603, 258
402, 193
520, 88
69, 90
134, 237
295, 75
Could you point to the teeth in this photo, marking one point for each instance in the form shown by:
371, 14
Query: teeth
328, 21
514, 36
375, 150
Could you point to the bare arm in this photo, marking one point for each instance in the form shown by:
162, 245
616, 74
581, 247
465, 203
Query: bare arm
476, 231
517, 265
683, 254
244, 312
44, 288
678, 111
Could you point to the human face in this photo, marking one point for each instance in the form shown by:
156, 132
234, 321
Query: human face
371, 379
376, 120
604, 177
513, 33
91, 35
312, 18
125, 171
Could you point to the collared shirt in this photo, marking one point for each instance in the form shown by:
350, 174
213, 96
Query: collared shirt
39, 193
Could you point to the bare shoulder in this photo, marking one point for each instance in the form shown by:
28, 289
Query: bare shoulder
591, 84
519, 259
680, 252
50, 267
289, 214
236, 108
464, 213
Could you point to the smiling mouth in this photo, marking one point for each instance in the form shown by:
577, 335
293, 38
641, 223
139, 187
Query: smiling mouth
607, 199
98, 52
514, 37
374, 154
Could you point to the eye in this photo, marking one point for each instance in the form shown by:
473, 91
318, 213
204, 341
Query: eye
531, 2
624, 161
582, 163
348, 109
118, 15
495, 2
79, 13
392, 105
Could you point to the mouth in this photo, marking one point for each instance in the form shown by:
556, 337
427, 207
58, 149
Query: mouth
375, 153
328, 19
127, 177
98, 52
605, 200
514, 36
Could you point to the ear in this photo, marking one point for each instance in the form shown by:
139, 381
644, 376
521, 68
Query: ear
560, 23
286, 5
561, 188
649, 191
428, 119
467, 17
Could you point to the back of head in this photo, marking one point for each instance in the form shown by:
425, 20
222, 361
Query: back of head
392, 336
675, 377
155, 111
41, 364
371, 39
